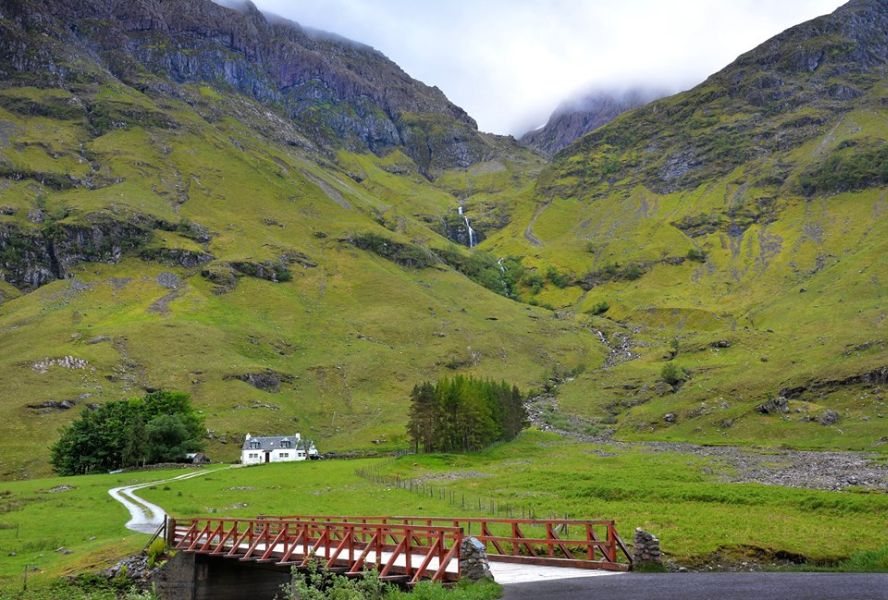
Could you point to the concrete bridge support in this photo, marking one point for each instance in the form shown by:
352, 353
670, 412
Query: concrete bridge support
191, 576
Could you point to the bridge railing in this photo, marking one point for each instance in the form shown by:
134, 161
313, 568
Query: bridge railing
577, 543
399, 551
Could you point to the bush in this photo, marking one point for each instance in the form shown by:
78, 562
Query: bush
156, 551
498, 275
633, 272
599, 308
535, 282
318, 584
407, 255
696, 255
847, 169
558, 279
673, 374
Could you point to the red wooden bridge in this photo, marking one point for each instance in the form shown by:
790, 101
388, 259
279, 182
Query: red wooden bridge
402, 549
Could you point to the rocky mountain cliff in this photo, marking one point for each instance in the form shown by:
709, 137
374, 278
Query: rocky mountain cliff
771, 99
575, 118
277, 221
340, 93
729, 244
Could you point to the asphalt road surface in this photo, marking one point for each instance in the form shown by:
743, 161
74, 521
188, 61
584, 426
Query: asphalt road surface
708, 586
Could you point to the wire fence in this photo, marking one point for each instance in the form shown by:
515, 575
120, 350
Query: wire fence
457, 498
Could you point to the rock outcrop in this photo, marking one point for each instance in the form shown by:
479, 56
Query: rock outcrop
339, 92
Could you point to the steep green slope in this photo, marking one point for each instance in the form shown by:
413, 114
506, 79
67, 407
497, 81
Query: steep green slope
738, 231
193, 216
214, 254
161, 232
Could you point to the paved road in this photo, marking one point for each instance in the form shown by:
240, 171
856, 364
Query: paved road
144, 516
512, 573
709, 586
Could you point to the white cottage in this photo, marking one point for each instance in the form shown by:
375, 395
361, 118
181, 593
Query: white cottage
267, 449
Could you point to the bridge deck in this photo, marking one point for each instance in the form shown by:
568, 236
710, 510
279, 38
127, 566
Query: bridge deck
400, 548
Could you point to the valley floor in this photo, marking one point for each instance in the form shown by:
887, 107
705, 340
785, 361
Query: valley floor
699, 501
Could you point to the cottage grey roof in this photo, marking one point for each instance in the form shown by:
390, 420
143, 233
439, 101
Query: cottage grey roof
273, 442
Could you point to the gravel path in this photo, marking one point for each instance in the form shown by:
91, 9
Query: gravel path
835, 470
146, 517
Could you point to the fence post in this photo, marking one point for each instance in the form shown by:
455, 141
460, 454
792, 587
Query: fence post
169, 530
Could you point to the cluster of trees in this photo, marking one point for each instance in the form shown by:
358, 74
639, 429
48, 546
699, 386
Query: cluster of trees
160, 427
464, 414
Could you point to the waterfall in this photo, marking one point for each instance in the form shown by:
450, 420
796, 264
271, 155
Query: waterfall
471, 231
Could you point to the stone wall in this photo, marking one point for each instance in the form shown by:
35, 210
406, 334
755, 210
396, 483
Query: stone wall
646, 549
473, 562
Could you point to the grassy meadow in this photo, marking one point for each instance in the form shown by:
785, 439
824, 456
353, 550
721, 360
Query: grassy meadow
681, 497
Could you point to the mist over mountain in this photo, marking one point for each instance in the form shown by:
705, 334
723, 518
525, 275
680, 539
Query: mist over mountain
577, 117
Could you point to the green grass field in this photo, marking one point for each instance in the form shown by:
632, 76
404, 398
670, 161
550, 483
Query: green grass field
678, 496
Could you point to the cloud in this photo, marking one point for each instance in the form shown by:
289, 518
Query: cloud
509, 63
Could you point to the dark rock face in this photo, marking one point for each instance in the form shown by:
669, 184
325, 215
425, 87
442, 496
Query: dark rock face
338, 92
267, 381
874, 377
453, 227
177, 257
274, 271
53, 405
576, 118
33, 257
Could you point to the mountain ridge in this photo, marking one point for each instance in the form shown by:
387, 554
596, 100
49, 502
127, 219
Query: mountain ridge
160, 228
342, 93
577, 117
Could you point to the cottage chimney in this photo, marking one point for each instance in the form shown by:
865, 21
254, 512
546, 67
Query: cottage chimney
247, 438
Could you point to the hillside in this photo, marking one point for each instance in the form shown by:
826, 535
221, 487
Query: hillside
736, 231
162, 229
265, 216
575, 118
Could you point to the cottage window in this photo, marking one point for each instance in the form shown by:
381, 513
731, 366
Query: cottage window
285, 443
285, 455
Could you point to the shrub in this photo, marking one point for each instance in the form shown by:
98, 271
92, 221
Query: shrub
633, 272
847, 169
599, 308
535, 282
156, 551
498, 275
558, 279
673, 374
696, 255
318, 584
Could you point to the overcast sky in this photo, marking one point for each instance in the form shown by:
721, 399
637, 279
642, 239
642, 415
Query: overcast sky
509, 63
